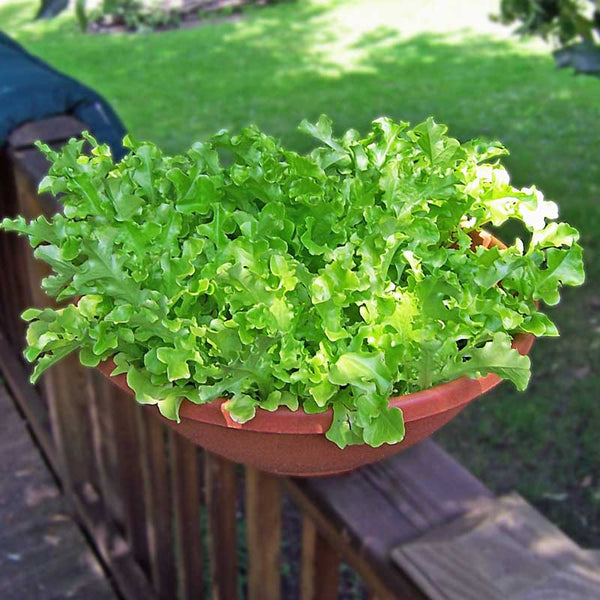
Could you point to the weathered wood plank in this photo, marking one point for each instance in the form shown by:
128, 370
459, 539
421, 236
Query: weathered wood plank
9, 318
221, 497
159, 504
69, 398
51, 131
29, 400
572, 582
130, 452
504, 550
594, 555
415, 490
385, 582
185, 479
29, 168
43, 553
320, 571
32, 166
13, 288
105, 445
129, 578
263, 526
65, 388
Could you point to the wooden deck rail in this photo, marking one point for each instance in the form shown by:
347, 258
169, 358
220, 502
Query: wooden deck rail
161, 513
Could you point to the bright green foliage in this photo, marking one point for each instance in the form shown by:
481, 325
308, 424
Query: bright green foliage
330, 280
575, 24
566, 20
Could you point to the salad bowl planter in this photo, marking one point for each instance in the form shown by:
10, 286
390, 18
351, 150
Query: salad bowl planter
293, 443
278, 309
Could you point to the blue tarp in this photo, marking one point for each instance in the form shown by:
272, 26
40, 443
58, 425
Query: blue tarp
31, 90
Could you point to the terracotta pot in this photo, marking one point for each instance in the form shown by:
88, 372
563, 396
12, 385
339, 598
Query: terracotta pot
294, 443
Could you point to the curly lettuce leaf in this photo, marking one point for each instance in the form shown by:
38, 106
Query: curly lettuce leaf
326, 281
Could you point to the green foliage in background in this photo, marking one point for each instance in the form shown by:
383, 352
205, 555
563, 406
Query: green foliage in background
135, 15
565, 20
145, 16
575, 24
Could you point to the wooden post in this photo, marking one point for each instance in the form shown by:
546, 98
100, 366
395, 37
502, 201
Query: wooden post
263, 523
105, 445
186, 500
14, 295
130, 452
221, 500
159, 503
320, 574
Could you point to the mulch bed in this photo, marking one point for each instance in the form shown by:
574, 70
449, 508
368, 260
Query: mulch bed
190, 15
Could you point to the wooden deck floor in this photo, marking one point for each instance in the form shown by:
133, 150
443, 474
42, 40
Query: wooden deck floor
43, 554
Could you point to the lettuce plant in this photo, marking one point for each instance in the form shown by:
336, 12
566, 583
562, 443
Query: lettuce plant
324, 281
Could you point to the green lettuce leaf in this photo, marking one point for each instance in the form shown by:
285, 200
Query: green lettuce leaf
327, 281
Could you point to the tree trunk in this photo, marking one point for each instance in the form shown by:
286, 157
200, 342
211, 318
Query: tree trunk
50, 8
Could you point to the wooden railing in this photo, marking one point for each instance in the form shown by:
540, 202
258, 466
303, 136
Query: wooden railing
165, 516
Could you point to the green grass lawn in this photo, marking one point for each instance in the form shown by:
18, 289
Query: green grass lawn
356, 60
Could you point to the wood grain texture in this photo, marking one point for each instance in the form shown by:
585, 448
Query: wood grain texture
44, 554
129, 578
130, 452
385, 582
320, 569
32, 166
221, 498
28, 400
263, 525
406, 495
68, 397
159, 503
52, 130
185, 480
504, 551
105, 445
13, 289
64, 388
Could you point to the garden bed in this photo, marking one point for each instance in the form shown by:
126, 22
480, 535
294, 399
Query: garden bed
141, 16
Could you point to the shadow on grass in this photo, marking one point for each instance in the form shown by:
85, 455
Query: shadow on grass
288, 62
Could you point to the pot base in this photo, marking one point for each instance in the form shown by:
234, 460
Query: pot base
294, 443
299, 455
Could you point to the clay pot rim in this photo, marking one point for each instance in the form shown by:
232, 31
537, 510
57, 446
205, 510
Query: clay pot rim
416, 406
